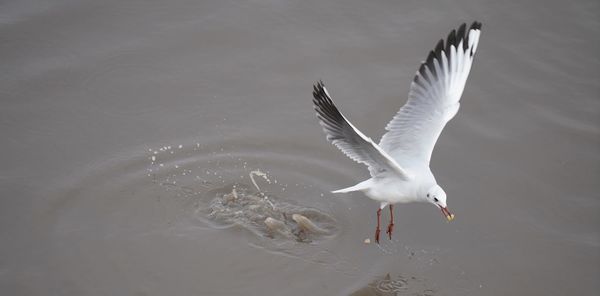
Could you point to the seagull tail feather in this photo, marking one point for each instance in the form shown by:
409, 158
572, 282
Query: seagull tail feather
358, 187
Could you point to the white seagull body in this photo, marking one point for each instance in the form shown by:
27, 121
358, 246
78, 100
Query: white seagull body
399, 164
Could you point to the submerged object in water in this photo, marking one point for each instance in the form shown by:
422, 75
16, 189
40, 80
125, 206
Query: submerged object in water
306, 225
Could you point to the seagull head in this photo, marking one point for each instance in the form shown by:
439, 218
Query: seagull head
437, 196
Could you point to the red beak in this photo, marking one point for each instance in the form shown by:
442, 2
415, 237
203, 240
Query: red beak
447, 214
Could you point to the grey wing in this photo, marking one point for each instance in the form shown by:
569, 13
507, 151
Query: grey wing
433, 98
341, 133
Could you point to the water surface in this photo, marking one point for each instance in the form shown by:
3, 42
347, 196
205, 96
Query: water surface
119, 118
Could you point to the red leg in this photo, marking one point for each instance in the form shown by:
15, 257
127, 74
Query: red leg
391, 225
377, 230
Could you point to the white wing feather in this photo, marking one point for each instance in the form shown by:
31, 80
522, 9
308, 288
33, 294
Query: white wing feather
433, 99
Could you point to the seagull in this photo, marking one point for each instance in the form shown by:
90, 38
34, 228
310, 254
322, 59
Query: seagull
399, 164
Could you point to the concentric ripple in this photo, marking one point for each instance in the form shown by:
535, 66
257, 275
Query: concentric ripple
278, 197
184, 192
399, 285
227, 187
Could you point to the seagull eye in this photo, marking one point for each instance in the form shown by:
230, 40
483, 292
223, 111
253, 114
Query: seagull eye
435, 199
427, 194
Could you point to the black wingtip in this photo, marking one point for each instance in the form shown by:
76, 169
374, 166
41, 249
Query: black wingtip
320, 96
475, 26
462, 34
455, 37
318, 88
451, 40
438, 49
326, 110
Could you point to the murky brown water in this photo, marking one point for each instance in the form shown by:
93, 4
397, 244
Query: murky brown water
119, 119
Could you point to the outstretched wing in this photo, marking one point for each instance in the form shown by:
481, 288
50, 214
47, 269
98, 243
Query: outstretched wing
341, 133
433, 98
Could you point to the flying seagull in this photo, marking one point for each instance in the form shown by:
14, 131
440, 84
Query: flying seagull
399, 164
